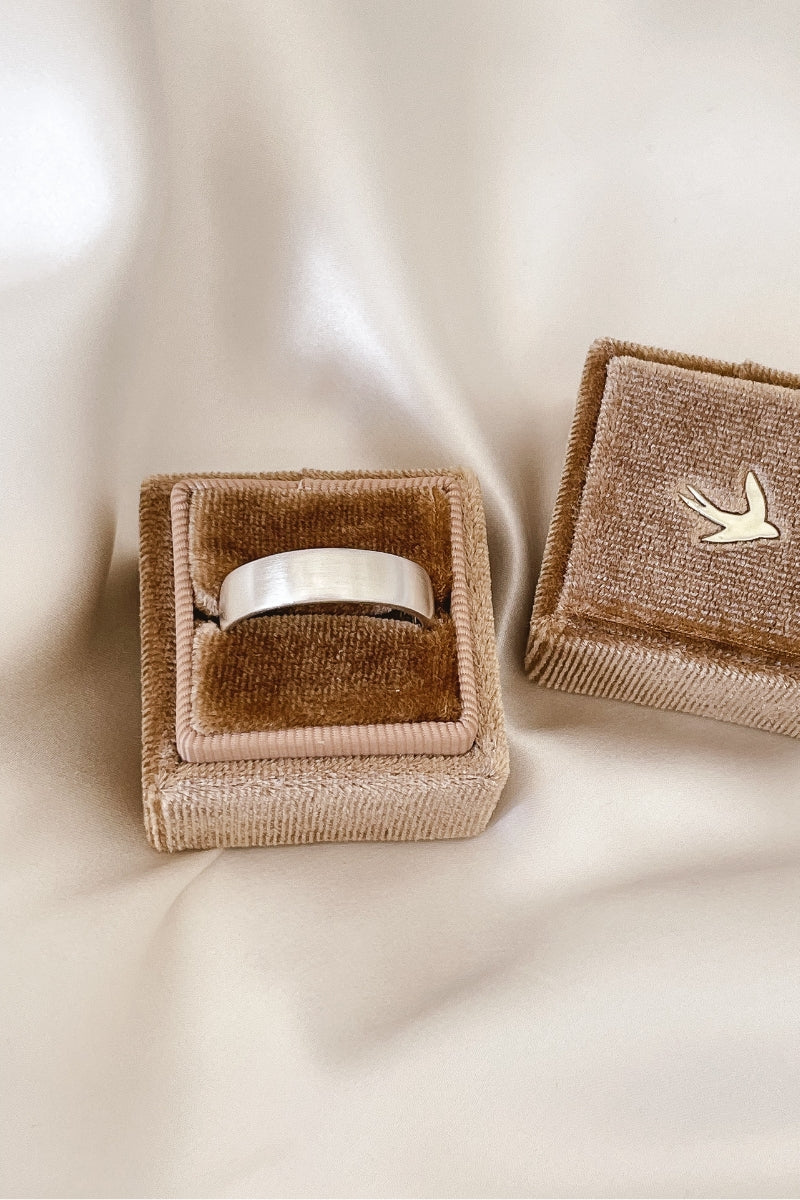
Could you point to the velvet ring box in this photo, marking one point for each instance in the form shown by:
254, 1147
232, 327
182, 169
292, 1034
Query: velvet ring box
304, 725
671, 573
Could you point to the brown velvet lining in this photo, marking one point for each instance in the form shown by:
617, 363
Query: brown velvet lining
231, 527
285, 671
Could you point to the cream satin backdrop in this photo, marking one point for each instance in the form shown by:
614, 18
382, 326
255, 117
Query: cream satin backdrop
248, 236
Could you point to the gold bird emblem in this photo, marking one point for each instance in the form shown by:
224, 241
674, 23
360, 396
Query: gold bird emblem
748, 526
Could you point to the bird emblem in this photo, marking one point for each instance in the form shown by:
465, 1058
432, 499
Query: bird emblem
748, 526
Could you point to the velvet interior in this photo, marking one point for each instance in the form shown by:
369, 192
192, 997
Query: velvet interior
283, 671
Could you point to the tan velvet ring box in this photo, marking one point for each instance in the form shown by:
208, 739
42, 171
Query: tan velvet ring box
671, 574
310, 726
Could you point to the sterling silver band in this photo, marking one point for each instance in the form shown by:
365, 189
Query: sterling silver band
332, 575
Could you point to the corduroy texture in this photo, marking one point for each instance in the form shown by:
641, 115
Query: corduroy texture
319, 668
631, 602
287, 800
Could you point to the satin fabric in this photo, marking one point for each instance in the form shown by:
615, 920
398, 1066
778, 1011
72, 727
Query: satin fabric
265, 235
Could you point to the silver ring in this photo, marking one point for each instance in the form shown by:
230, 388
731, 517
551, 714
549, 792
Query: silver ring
331, 575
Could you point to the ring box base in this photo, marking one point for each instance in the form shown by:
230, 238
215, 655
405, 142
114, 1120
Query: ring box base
308, 789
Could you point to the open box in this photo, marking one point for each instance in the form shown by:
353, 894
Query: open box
316, 726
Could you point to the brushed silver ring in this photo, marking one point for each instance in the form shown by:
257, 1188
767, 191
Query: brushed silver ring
329, 575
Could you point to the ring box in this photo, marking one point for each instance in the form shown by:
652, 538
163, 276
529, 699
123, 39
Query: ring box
671, 573
306, 726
